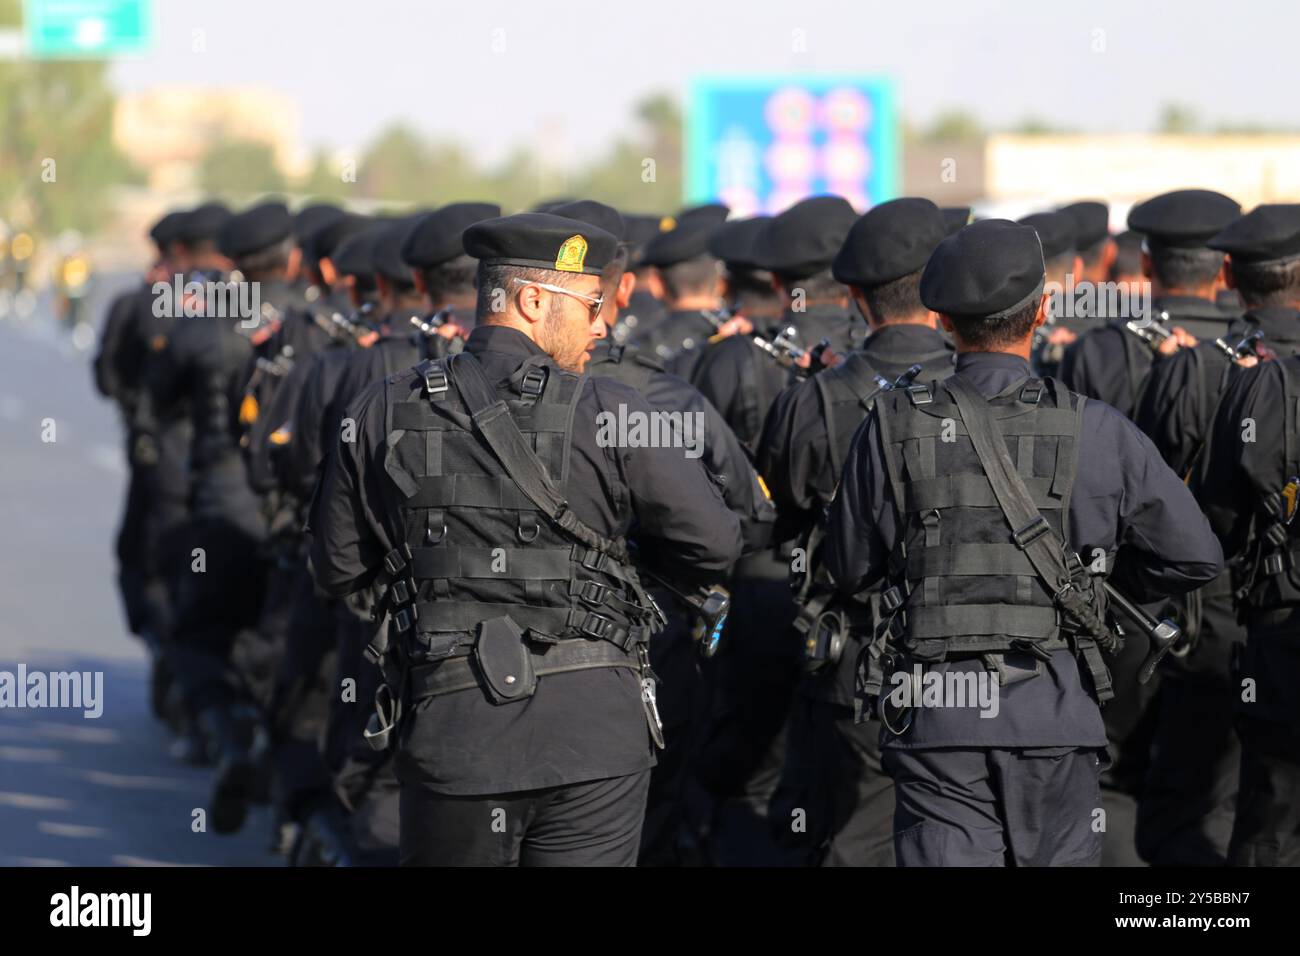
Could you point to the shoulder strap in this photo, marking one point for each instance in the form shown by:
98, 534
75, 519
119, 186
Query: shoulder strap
492, 419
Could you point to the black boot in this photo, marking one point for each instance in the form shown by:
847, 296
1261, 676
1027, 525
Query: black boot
234, 782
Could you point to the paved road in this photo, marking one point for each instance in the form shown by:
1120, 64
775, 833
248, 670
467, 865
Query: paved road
76, 790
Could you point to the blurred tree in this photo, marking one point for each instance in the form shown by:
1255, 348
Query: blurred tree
232, 169
1176, 118
325, 178
953, 125
643, 173
396, 165
1036, 126
57, 159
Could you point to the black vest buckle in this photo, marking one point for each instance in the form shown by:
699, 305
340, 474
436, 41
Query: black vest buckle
395, 560
435, 379
405, 618
592, 560
891, 599
920, 394
592, 593
1030, 532
527, 529
1274, 564
598, 626
533, 383
1031, 393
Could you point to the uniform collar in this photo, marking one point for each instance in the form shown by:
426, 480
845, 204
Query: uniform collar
1279, 323
990, 361
1188, 305
501, 339
904, 337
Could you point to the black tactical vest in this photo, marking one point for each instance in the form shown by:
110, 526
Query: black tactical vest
1272, 590
967, 587
481, 550
626, 364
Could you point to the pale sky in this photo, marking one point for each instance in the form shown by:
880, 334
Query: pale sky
566, 73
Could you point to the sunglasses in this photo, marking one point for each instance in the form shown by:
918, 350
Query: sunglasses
594, 303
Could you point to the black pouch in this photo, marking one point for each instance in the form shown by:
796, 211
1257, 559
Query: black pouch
504, 662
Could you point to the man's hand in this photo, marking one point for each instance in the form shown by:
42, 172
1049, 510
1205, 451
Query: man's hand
1179, 338
1060, 335
450, 330
736, 325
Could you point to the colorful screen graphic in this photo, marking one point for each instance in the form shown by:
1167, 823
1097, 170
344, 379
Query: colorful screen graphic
759, 144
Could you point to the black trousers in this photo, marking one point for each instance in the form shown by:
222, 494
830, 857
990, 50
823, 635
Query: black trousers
1189, 797
597, 823
993, 807
1266, 831
832, 773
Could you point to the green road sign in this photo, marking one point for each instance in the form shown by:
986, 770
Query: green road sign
87, 28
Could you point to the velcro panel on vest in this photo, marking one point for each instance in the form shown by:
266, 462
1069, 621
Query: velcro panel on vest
469, 491
942, 418
420, 416
924, 623
968, 491
520, 564
968, 559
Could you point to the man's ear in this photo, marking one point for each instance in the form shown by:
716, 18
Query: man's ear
947, 325
1229, 277
420, 285
295, 262
1109, 252
1044, 308
1147, 271
530, 303
626, 286
1221, 280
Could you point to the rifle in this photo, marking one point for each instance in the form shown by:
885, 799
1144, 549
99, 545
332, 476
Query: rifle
1152, 332
1247, 346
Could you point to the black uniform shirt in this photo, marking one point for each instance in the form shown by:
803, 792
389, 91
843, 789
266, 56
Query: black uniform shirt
742, 381
584, 725
1124, 497
722, 455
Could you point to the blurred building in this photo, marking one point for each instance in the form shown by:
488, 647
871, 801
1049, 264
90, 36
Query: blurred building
166, 131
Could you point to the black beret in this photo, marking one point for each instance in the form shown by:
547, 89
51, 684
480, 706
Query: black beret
1056, 231
687, 236
638, 229
1091, 222
1267, 233
954, 217
984, 270
436, 236
353, 255
593, 213
322, 242
892, 240
733, 242
308, 219
164, 230
386, 253
538, 240
255, 229
202, 223
1186, 217
805, 238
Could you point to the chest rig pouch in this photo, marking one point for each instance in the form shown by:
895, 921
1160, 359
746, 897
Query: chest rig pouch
982, 570
499, 583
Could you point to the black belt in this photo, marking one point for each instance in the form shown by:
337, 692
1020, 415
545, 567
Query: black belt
461, 673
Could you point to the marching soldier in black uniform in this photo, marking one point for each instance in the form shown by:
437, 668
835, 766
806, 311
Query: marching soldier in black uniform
220, 594
993, 502
1188, 802
687, 280
481, 496
1248, 482
644, 312
1112, 362
833, 763
755, 675
1058, 233
675, 809
747, 290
